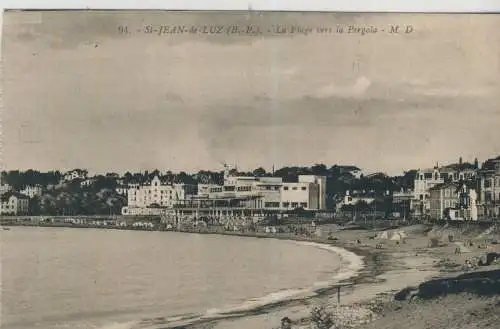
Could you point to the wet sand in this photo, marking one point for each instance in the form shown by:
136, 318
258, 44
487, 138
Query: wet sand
370, 302
398, 264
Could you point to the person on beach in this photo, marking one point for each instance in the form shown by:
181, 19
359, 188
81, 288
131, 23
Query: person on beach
286, 323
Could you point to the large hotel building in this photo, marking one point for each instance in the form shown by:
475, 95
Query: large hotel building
237, 196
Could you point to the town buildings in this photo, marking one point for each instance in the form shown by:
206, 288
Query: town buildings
75, 174
13, 203
426, 179
87, 182
156, 194
402, 202
32, 191
5, 188
122, 190
355, 197
489, 187
454, 201
238, 195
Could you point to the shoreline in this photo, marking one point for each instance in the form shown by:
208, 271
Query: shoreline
371, 297
363, 264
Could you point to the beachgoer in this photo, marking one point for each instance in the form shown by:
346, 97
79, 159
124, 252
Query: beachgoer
286, 323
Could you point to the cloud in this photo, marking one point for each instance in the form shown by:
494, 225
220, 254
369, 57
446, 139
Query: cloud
359, 88
138, 99
173, 98
291, 71
452, 92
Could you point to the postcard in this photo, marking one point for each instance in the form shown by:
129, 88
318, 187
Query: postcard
249, 169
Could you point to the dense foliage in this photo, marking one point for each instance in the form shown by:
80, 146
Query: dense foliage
62, 197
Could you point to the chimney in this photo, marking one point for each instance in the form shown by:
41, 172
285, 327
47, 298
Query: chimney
460, 160
476, 164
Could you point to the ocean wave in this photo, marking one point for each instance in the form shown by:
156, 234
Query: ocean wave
123, 325
351, 264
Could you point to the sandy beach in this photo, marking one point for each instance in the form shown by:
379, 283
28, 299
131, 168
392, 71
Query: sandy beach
392, 263
411, 274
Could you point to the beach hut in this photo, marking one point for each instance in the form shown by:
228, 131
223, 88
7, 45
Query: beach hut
383, 235
397, 236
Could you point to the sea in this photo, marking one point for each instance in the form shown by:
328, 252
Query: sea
118, 279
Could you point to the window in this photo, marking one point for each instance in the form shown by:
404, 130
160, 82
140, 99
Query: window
286, 204
303, 204
285, 188
295, 204
447, 193
294, 188
447, 203
271, 204
304, 188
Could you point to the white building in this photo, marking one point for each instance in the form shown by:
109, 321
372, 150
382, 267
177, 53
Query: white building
259, 192
355, 198
204, 189
75, 174
122, 190
32, 191
424, 181
87, 182
300, 195
4, 188
320, 181
489, 189
14, 204
455, 201
428, 178
238, 193
156, 194
270, 193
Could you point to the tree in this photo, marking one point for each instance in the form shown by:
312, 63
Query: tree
127, 177
48, 205
319, 169
259, 172
34, 206
183, 178
102, 182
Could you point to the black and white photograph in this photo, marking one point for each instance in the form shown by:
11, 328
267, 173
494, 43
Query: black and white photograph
249, 169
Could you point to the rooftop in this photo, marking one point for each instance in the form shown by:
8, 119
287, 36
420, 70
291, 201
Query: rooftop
455, 185
6, 196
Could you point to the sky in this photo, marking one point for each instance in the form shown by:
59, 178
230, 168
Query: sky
78, 94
